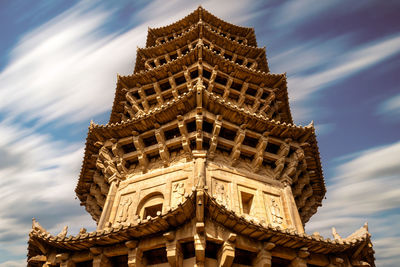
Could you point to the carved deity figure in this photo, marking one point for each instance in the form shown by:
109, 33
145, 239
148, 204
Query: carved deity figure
124, 210
220, 194
178, 193
276, 212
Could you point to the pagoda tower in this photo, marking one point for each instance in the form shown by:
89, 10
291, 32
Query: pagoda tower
200, 164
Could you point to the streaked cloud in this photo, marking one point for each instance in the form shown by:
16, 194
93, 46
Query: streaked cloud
366, 187
39, 183
390, 107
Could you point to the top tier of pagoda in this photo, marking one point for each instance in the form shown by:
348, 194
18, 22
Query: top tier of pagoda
202, 84
225, 56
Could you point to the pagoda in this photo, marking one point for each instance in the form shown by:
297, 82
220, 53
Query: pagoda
200, 164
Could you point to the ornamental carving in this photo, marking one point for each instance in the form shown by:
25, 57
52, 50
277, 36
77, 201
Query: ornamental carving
178, 193
124, 207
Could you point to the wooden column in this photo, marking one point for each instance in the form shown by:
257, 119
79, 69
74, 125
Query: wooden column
135, 255
291, 205
264, 257
174, 250
105, 215
300, 260
99, 259
227, 252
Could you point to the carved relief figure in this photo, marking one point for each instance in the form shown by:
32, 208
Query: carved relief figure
178, 193
276, 212
124, 210
221, 195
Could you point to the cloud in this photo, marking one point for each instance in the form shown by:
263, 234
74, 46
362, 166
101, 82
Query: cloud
390, 107
66, 69
65, 72
40, 183
366, 187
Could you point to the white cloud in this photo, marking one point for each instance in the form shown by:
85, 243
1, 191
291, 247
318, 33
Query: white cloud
64, 72
390, 107
38, 177
366, 188
348, 64
67, 68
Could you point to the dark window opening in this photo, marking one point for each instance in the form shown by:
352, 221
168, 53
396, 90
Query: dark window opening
194, 74
173, 56
278, 262
227, 134
240, 41
128, 148
152, 211
247, 202
191, 126
149, 91
264, 95
228, 57
163, 61
212, 250
216, 50
232, 38
136, 94
193, 144
251, 91
165, 86
206, 74
149, 141
152, 64
84, 264
170, 38
236, 86
185, 50
119, 261
249, 64
250, 141
180, 80
244, 257
155, 256
174, 132
188, 250
239, 61
207, 126
206, 143
221, 80
272, 148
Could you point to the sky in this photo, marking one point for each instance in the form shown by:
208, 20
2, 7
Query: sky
58, 69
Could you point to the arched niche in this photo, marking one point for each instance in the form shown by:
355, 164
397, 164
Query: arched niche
150, 205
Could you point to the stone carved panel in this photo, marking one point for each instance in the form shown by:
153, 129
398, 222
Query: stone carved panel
274, 209
221, 192
125, 208
178, 193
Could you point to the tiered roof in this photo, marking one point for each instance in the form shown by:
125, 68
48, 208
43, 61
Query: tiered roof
358, 243
200, 55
